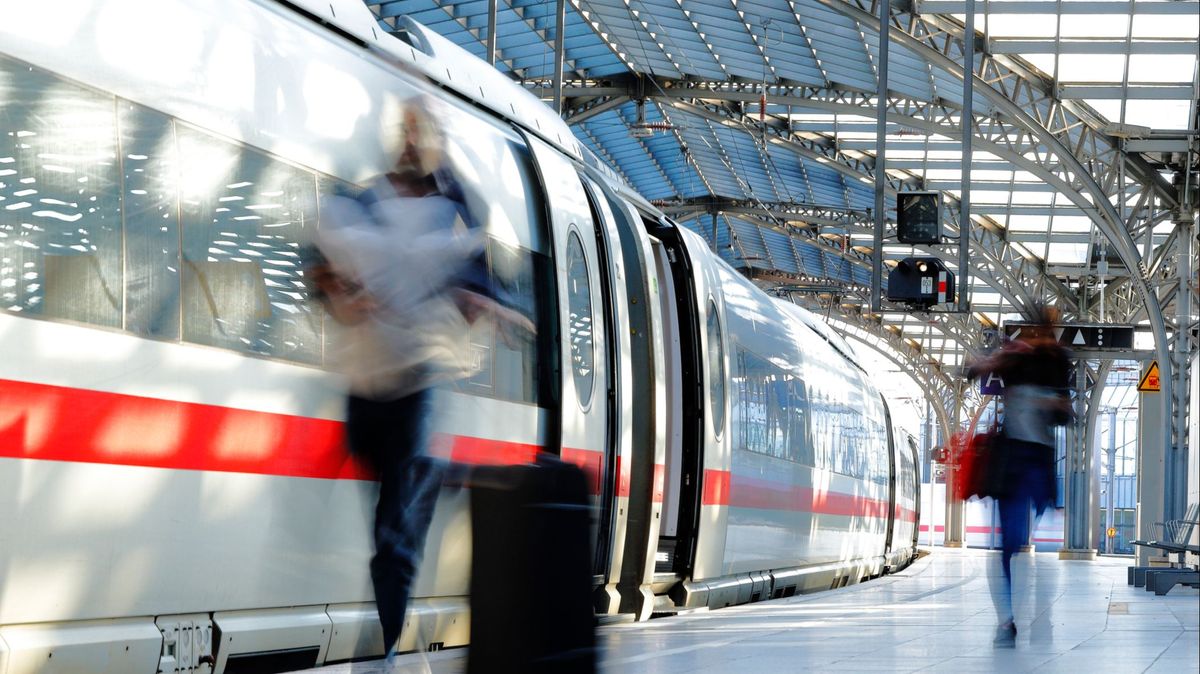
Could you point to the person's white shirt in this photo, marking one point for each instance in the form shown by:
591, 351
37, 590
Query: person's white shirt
404, 252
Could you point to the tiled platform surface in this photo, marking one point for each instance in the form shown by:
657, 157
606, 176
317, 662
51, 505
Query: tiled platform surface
935, 616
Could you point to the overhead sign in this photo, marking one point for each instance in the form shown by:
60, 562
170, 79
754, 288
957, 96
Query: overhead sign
991, 385
1150, 382
1081, 335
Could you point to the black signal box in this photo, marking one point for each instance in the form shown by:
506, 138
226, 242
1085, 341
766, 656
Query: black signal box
919, 217
921, 282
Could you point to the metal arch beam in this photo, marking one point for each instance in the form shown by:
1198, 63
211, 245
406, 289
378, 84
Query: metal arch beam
599, 105
995, 263
993, 245
1083, 174
954, 328
697, 98
942, 38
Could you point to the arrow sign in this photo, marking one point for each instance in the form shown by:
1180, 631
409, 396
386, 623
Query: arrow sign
1089, 336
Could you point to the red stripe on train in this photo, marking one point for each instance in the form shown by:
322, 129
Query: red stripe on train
722, 488
974, 529
56, 423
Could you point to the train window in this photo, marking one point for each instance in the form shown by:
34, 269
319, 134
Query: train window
762, 401
151, 207
506, 361
579, 306
244, 218
716, 369
60, 219
799, 435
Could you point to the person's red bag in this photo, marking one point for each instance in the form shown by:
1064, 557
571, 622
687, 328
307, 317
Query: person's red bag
971, 477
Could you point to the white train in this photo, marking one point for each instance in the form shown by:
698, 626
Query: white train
174, 495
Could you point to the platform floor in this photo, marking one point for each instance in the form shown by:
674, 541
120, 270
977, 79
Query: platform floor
935, 616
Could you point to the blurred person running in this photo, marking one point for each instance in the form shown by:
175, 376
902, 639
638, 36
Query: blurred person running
401, 268
1036, 372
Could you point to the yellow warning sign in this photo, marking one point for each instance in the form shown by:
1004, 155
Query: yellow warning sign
1112, 532
1149, 382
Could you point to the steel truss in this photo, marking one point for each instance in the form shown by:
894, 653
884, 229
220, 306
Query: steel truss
928, 373
1021, 120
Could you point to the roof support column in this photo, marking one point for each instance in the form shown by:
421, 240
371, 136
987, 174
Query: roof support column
881, 93
1175, 491
560, 38
967, 120
1081, 472
491, 33
956, 530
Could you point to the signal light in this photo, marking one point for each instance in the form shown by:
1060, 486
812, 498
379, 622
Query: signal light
919, 217
921, 282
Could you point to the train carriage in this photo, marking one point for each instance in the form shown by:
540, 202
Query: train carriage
174, 493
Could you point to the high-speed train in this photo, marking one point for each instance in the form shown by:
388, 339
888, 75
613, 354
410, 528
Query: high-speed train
174, 491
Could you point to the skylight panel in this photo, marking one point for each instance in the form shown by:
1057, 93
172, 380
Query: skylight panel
989, 197
1043, 62
1072, 223
1157, 114
1028, 223
1092, 25
1151, 26
1110, 108
1091, 67
1022, 198
989, 174
1161, 67
1066, 253
1018, 25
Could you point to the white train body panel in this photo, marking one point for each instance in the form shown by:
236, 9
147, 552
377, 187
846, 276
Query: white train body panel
170, 442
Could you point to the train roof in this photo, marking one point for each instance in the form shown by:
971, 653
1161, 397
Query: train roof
414, 46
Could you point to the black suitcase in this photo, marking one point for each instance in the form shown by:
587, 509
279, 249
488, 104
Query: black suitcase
531, 582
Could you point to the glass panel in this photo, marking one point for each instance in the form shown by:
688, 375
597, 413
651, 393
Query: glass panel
716, 369
1169, 68
506, 360
245, 217
579, 306
60, 223
151, 209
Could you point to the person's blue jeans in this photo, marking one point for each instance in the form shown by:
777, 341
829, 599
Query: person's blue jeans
1025, 486
391, 436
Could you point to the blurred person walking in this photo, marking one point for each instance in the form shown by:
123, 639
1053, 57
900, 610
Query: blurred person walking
402, 273
1036, 372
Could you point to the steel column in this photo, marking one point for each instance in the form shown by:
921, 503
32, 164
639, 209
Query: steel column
491, 32
968, 132
881, 93
955, 533
1110, 507
560, 22
1175, 487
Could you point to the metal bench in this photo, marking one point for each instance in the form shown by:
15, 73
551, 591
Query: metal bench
1176, 539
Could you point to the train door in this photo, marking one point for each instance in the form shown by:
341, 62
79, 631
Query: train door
616, 304
668, 535
635, 504
893, 480
683, 407
914, 481
583, 329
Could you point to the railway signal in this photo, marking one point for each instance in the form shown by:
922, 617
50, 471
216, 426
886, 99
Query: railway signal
919, 217
921, 282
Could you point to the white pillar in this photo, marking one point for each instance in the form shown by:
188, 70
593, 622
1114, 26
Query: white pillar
1150, 471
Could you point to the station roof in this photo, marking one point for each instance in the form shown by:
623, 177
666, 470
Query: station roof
753, 123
